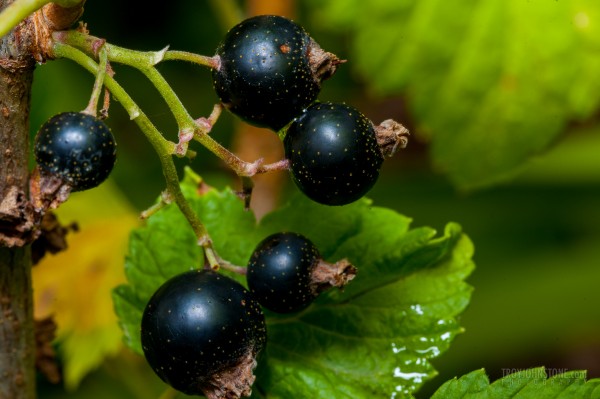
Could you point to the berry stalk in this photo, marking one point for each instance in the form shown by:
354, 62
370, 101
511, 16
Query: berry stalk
145, 61
92, 107
163, 147
203, 60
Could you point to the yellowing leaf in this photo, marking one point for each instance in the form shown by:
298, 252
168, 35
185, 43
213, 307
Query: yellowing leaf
75, 285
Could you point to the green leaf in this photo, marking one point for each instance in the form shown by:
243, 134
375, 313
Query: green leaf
375, 338
523, 384
167, 246
487, 80
127, 307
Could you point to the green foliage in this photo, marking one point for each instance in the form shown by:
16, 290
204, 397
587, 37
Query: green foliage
398, 313
491, 82
531, 383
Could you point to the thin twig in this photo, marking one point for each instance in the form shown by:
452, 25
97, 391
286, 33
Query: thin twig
163, 147
92, 107
145, 61
203, 60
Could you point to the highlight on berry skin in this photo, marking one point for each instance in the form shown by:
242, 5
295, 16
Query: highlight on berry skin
286, 272
333, 152
201, 332
336, 152
77, 148
270, 69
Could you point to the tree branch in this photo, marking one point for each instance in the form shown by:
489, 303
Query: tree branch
17, 343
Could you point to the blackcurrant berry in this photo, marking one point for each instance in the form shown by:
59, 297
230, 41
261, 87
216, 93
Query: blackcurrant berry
279, 272
333, 153
270, 69
201, 332
286, 273
78, 148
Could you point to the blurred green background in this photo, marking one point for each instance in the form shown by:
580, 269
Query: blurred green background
502, 100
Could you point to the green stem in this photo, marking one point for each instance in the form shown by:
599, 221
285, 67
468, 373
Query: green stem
212, 259
165, 199
92, 107
211, 62
186, 124
183, 118
132, 57
226, 265
145, 62
163, 147
18, 11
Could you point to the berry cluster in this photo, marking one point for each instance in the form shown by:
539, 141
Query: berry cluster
269, 74
268, 71
201, 331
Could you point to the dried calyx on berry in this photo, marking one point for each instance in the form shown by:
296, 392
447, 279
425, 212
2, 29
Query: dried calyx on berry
286, 272
269, 70
391, 136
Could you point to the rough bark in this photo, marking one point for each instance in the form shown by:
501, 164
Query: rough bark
20, 49
17, 344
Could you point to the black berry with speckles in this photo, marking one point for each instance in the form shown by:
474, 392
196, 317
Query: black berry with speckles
279, 272
265, 76
333, 153
78, 148
200, 327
